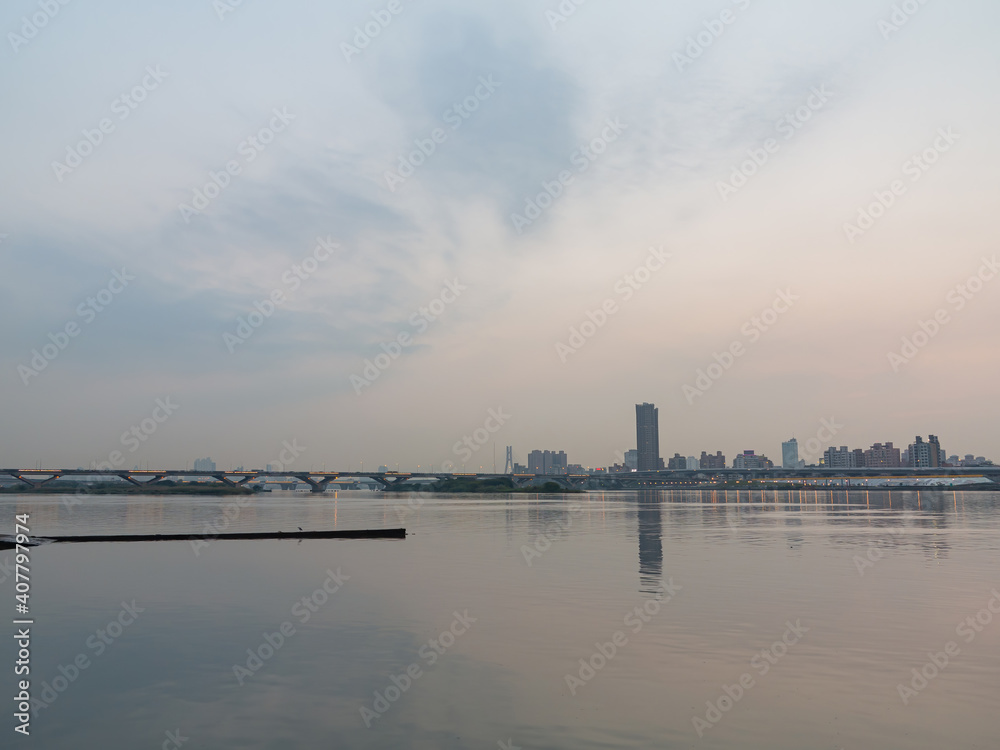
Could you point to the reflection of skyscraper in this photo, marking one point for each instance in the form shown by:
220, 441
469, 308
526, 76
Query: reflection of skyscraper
650, 542
647, 437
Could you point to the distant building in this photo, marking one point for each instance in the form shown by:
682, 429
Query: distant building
971, 461
576, 469
718, 461
383, 469
750, 460
204, 464
647, 437
692, 464
632, 460
790, 454
881, 456
547, 462
677, 463
839, 458
925, 455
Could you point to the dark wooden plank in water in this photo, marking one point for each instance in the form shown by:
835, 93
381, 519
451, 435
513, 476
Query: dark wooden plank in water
348, 534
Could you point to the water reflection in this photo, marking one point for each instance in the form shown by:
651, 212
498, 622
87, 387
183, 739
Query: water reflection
650, 522
747, 561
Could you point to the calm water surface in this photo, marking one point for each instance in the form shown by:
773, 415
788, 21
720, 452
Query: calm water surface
820, 603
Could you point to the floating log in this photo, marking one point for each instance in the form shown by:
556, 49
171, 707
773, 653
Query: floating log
8, 543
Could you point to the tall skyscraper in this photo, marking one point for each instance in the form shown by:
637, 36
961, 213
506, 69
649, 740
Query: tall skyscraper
647, 437
790, 454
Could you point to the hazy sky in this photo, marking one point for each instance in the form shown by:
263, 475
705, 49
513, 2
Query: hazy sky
739, 139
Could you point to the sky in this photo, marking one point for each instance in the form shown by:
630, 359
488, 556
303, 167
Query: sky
372, 230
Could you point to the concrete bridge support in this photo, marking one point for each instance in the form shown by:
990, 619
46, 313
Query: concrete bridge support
128, 478
317, 486
226, 480
37, 483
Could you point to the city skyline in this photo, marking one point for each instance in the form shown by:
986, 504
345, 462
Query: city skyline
553, 462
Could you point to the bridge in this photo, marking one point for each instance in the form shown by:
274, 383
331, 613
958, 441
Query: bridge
320, 481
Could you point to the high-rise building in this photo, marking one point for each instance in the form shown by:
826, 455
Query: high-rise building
749, 460
632, 459
204, 464
881, 456
839, 458
790, 454
647, 437
547, 462
677, 463
925, 455
692, 463
718, 461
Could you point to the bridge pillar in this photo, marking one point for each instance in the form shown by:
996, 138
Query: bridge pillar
128, 478
222, 478
27, 481
318, 486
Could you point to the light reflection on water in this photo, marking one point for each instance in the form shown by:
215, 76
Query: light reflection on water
877, 579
